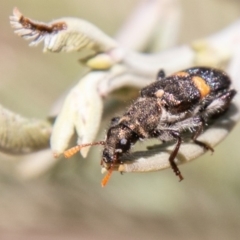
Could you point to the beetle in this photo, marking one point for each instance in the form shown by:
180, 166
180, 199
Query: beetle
184, 101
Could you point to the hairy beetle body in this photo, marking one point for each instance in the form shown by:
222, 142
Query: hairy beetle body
186, 100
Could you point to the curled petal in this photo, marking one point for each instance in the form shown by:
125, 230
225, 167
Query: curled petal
82, 111
22, 135
89, 109
34, 30
63, 128
65, 34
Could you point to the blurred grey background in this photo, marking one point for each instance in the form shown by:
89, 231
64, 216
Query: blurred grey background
68, 202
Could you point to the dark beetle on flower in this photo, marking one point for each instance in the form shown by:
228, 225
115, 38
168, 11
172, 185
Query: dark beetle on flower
184, 101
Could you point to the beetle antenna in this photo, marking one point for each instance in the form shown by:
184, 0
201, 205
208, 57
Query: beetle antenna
107, 177
71, 151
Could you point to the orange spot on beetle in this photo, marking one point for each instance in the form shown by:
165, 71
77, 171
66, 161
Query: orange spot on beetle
181, 74
201, 85
159, 93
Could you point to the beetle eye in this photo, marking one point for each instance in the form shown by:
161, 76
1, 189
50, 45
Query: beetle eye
123, 141
124, 144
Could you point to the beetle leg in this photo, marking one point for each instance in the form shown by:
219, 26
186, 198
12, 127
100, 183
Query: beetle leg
174, 166
169, 135
197, 133
160, 75
219, 105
